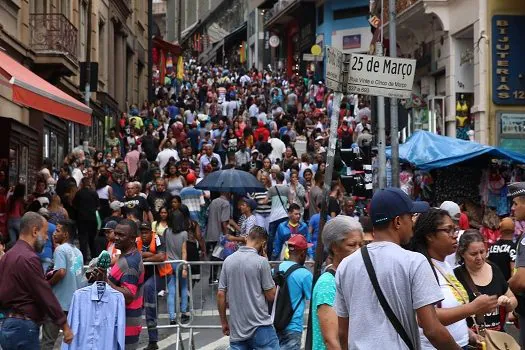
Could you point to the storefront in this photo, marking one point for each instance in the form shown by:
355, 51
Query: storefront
37, 117
508, 83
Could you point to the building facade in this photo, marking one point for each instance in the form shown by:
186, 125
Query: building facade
56, 40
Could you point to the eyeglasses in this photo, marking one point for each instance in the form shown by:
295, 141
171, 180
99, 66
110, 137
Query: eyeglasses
451, 231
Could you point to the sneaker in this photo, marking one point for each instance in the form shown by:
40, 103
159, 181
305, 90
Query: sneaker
173, 322
162, 293
184, 319
152, 346
214, 282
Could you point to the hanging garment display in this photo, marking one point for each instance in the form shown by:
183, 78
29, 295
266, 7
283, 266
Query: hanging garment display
97, 317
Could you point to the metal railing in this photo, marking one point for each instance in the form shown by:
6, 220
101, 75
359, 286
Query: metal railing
53, 33
201, 303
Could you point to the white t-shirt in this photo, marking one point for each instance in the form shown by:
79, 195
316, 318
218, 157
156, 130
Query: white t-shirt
458, 330
278, 148
164, 156
408, 284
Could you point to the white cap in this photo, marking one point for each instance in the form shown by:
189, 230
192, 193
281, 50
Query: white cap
116, 205
452, 208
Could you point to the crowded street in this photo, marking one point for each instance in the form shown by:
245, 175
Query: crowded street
262, 174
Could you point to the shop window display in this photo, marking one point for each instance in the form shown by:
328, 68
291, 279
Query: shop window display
464, 123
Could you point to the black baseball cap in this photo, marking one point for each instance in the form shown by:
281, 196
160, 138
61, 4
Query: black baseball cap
391, 202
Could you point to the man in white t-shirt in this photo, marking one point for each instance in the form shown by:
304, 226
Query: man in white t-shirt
278, 147
405, 278
164, 156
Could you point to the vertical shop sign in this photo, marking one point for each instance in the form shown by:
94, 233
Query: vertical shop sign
508, 50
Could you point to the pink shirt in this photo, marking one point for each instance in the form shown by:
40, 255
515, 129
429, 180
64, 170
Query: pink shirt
132, 161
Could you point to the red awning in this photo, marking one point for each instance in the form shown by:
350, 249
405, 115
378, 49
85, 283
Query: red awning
32, 91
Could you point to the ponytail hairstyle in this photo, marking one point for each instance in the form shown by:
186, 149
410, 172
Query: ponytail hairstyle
425, 226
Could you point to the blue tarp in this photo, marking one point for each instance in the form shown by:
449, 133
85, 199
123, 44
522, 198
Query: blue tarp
427, 151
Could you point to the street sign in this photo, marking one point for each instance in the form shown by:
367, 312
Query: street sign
334, 67
310, 57
381, 76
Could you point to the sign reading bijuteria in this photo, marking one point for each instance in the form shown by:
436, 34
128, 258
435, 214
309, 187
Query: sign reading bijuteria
381, 76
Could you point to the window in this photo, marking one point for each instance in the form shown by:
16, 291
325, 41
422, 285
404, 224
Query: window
102, 50
320, 15
351, 12
83, 30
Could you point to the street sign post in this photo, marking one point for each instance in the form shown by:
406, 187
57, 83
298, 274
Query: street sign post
334, 68
381, 76
311, 57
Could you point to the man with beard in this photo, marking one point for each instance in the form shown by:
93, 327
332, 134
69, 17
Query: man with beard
135, 204
26, 297
158, 198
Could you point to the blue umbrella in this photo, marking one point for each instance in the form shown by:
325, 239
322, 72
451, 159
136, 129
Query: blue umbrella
232, 181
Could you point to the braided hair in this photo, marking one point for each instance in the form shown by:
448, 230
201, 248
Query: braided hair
426, 225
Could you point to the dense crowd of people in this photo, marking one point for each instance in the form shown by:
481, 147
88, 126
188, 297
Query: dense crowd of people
136, 200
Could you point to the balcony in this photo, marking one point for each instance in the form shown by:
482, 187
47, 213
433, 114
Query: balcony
54, 39
277, 12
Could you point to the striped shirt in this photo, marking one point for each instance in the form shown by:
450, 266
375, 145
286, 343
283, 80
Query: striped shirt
262, 209
128, 272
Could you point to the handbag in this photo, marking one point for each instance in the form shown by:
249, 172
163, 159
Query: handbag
495, 340
382, 300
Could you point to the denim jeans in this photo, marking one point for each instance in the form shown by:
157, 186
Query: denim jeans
264, 338
152, 286
19, 334
173, 294
13, 227
290, 340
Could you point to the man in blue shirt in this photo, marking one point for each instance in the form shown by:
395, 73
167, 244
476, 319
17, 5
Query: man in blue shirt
286, 230
300, 287
46, 256
313, 230
67, 277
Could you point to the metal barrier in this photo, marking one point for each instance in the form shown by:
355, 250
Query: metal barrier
198, 304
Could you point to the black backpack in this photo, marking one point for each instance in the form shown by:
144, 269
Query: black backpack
283, 307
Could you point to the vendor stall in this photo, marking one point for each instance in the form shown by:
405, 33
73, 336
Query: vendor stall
451, 169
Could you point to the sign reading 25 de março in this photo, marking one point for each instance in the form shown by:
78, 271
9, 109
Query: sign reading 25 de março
381, 76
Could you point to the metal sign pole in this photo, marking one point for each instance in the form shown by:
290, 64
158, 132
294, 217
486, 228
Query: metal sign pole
394, 132
381, 137
319, 250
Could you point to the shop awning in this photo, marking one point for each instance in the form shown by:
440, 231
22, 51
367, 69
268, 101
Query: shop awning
237, 35
428, 151
186, 33
32, 91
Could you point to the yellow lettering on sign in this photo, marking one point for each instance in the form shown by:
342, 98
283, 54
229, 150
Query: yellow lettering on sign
503, 47
501, 63
502, 23
503, 87
502, 54
503, 95
502, 71
503, 79
504, 39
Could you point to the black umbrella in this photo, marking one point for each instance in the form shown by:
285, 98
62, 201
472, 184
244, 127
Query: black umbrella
231, 180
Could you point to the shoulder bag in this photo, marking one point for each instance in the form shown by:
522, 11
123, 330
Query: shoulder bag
382, 300
495, 340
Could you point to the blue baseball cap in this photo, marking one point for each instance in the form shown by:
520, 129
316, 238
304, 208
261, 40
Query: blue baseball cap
391, 202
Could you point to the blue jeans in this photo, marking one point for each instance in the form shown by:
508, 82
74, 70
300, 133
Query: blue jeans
19, 334
13, 227
151, 288
290, 340
173, 294
264, 338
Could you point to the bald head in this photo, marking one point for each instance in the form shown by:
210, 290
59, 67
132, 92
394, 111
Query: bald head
31, 221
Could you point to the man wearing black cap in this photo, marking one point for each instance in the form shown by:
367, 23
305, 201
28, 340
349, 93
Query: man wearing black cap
404, 278
517, 281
